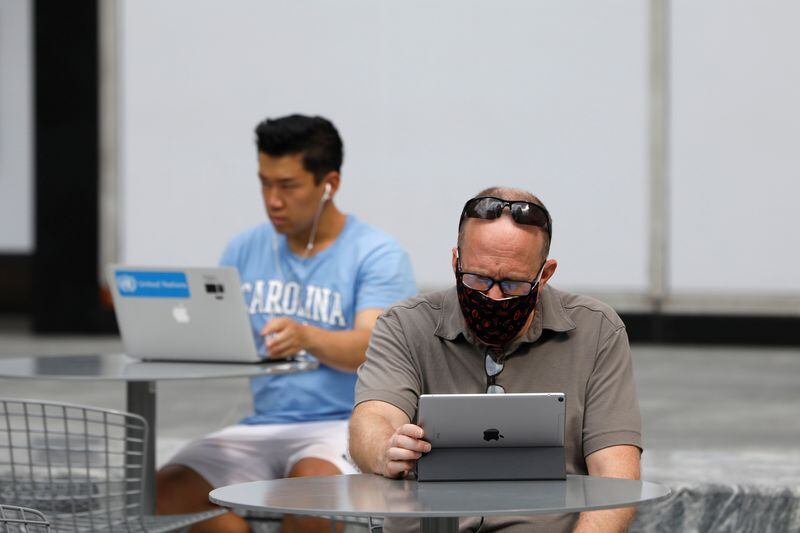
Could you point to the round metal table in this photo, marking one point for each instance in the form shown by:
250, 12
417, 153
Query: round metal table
438, 504
140, 378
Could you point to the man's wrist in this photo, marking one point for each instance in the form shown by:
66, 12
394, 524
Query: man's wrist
308, 338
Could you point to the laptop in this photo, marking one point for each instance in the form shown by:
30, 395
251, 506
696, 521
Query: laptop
492, 420
183, 314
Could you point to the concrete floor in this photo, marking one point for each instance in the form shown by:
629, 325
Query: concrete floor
711, 414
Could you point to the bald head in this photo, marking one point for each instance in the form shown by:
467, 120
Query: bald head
539, 238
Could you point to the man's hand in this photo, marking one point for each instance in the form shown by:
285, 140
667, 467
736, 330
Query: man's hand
341, 349
403, 449
284, 337
384, 441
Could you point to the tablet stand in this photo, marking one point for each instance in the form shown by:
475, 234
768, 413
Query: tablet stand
492, 464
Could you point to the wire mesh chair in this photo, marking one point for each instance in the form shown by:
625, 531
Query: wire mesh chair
82, 466
15, 519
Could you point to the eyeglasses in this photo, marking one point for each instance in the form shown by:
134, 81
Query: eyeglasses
510, 287
490, 208
493, 369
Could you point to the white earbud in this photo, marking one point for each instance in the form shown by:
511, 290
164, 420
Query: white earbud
325, 197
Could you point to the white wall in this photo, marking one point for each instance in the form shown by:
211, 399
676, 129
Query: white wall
16, 95
736, 147
435, 101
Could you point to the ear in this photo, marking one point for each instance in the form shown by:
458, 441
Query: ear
549, 269
334, 179
455, 258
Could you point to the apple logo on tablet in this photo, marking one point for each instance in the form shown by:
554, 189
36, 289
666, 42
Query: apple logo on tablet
180, 314
492, 434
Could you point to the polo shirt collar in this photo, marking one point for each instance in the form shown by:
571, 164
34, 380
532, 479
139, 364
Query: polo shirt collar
550, 314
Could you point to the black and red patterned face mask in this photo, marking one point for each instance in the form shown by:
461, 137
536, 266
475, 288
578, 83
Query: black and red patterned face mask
494, 322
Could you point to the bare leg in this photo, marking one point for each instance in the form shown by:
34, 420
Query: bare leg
310, 466
181, 490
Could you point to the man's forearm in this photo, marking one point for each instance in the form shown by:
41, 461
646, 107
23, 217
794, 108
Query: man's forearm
368, 435
342, 350
610, 521
622, 461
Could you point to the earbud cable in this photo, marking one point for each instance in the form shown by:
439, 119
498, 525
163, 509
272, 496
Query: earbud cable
314, 225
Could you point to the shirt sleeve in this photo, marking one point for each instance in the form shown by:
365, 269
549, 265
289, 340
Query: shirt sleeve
390, 373
385, 277
611, 415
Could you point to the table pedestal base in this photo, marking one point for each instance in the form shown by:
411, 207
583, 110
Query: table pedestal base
439, 525
142, 402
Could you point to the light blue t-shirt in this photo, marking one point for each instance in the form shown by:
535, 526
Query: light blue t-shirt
364, 268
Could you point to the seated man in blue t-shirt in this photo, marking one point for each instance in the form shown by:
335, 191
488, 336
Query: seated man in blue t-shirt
314, 280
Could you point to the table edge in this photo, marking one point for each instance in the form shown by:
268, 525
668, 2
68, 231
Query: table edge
445, 514
231, 367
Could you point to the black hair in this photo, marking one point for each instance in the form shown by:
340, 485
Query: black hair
315, 138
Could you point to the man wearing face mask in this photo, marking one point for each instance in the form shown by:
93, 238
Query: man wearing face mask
502, 328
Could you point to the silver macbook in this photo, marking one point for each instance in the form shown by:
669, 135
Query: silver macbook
492, 420
183, 314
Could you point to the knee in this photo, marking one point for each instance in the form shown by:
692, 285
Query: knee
178, 486
171, 477
311, 466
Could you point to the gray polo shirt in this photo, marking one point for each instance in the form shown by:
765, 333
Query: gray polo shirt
575, 344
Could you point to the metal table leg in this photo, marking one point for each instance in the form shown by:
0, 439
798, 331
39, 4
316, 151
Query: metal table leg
142, 401
439, 525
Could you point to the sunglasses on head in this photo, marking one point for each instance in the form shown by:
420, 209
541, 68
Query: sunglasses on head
490, 208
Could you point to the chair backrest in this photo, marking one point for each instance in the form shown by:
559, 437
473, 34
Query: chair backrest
82, 466
15, 519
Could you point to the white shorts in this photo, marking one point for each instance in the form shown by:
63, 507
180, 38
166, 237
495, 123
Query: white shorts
241, 453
